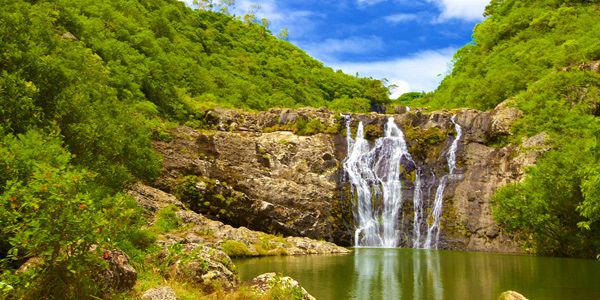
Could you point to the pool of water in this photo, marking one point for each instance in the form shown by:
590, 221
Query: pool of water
426, 274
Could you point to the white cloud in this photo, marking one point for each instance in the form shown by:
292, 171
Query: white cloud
327, 49
470, 10
401, 18
422, 71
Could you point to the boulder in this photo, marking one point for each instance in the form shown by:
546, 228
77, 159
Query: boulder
120, 276
160, 293
511, 295
266, 282
502, 118
209, 268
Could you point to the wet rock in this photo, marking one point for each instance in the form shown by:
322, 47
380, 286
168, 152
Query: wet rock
160, 293
266, 282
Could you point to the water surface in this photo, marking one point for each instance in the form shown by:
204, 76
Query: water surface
427, 274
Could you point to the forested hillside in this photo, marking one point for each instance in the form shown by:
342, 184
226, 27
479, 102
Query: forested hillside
542, 57
83, 87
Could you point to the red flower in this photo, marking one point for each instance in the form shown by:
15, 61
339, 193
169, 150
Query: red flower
82, 206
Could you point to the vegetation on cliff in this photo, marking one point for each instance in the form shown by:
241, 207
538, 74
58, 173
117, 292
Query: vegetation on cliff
543, 56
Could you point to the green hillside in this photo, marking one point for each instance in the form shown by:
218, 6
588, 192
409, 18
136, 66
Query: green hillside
520, 43
543, 57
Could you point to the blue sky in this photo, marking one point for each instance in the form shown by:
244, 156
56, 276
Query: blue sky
408, 42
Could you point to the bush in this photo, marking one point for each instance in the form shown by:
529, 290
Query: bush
55, 212
53, 217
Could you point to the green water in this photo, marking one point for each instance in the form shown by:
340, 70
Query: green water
425, 274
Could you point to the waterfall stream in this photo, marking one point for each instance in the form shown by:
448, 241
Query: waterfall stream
433, 233
376, 175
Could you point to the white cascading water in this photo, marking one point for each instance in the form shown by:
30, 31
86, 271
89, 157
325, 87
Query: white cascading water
374, 174
417, 209
433, 233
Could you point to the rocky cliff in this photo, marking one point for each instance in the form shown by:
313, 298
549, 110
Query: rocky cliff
281, 170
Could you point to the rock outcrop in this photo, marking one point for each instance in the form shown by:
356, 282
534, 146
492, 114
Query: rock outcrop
288, 183
199, 230
280, 171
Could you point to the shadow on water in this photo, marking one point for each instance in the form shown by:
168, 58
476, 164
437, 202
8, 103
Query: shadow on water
371, 273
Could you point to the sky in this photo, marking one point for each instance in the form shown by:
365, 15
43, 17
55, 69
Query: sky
408, 42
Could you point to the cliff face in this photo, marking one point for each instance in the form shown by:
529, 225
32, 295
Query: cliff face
252, 170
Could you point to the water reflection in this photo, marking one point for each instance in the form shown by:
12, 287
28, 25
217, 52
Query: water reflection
432, 275
384, 274
376, 274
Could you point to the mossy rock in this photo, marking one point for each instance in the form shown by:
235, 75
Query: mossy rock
372, 131
213, 198
305, 127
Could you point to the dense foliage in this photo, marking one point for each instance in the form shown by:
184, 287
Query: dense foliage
519, 43
557, 206
540, 56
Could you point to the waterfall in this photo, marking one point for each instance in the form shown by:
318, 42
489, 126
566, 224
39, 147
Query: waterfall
434, 228
374, 175
454, 146
417, 209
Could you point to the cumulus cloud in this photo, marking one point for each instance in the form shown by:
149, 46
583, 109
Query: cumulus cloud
470, 10
422, 71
